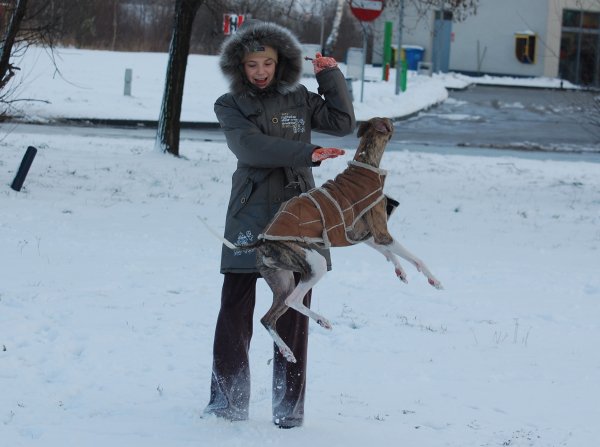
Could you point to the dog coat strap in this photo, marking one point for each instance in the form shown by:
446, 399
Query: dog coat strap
332, 218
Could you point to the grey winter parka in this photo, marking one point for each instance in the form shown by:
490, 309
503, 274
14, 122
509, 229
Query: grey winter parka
269, 131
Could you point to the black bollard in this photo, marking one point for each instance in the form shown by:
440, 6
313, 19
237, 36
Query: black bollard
24, 168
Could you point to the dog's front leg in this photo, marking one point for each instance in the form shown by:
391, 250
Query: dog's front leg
376, 220
391, 257
396, 248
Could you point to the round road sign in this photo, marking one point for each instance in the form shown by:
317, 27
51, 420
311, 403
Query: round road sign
366, 10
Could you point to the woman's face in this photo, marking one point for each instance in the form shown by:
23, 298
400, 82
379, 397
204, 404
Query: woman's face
260, 70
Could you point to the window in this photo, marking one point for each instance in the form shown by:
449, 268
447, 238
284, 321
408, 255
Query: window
590, 20
444, 15
580, 47
580, 19
525, 48
571, 18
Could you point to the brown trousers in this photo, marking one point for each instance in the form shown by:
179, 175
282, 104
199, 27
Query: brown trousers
230, 384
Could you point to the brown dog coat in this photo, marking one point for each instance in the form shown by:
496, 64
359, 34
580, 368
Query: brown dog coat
323, 216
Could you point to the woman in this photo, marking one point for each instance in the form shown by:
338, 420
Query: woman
267, 118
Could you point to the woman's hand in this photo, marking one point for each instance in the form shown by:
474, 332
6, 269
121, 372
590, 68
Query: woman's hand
323, 153
321, 63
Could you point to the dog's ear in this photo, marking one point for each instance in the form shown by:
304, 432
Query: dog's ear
362, 129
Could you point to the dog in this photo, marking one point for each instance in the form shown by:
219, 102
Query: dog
345, 211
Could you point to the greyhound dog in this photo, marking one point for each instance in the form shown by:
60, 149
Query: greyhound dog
289, 243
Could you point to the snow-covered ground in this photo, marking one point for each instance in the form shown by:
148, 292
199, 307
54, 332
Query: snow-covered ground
110, 289
90, 84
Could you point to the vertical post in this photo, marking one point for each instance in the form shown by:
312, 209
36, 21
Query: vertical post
349, 87
364, 62
128, 76
404, 65
399, 52
322, 41
387, 49
24, 168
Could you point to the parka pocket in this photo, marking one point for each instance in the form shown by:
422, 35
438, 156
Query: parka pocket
242, 197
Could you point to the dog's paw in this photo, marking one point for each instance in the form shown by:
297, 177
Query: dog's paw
324, 323
402, 275
287, 354
435, 283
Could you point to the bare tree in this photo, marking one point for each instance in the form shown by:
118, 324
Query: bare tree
131, 25
167, 135
461, 9
7, 70
335, 29
115, 23
29, 24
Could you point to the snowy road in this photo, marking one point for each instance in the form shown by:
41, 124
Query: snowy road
509, 118
492, 121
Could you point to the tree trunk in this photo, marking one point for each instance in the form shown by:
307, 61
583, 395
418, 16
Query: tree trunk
6, 69
115, 23
335, 29
167, 135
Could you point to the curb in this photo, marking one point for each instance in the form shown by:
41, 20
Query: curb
130, 123
107, 122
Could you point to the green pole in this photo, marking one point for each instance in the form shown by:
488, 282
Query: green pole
387, 48
399, 75
404, 64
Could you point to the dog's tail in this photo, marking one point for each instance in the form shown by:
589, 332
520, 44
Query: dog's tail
218, 236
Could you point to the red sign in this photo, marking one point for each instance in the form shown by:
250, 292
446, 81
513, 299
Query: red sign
366, 10
231, 23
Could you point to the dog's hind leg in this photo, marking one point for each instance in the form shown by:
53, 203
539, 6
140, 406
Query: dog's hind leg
281, 283
318, 268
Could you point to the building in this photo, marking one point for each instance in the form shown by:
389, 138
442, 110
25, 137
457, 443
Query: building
551, 38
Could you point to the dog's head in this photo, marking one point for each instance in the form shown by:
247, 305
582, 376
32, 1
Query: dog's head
374, 136
375, 126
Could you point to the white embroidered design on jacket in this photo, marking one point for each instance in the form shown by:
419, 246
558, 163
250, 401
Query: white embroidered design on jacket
289, 120
244, 239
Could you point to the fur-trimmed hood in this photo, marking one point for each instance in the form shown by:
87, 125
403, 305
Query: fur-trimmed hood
251, 33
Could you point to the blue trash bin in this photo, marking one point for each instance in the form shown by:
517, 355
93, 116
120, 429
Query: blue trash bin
414, 55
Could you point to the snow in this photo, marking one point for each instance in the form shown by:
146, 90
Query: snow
90, 84
110, 287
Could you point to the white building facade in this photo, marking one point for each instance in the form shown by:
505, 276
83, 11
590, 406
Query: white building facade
552, 38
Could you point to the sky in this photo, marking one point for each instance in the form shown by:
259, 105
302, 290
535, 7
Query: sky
110, 285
